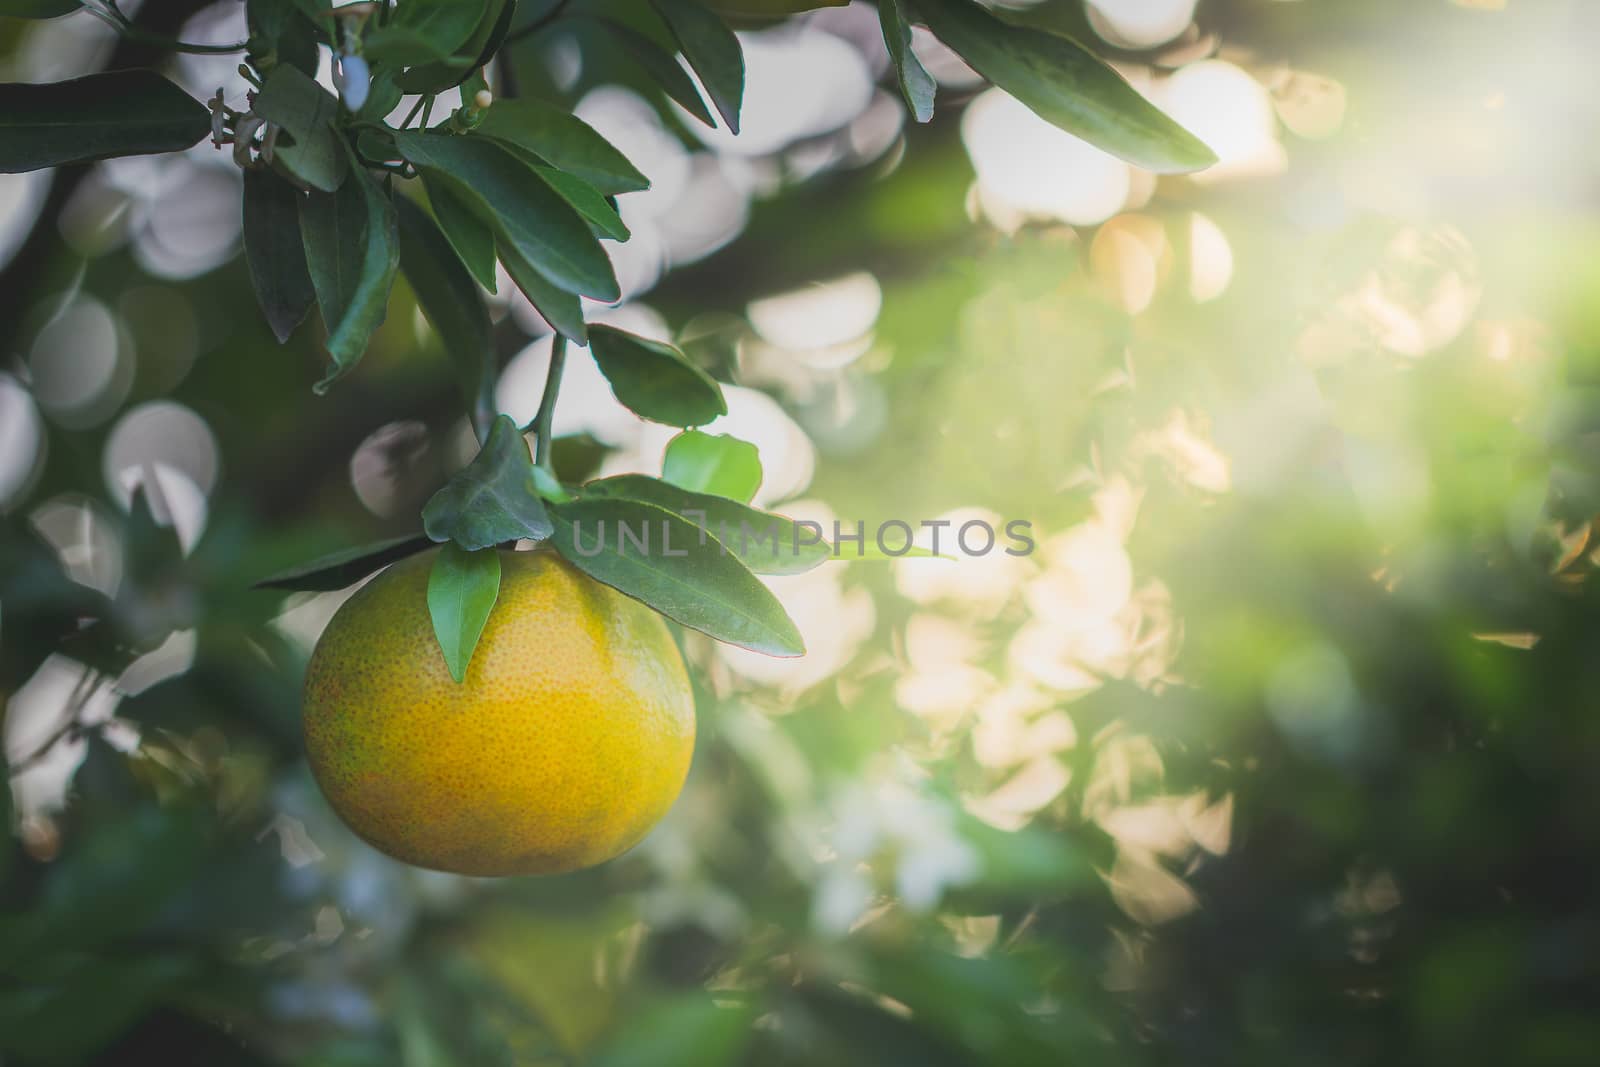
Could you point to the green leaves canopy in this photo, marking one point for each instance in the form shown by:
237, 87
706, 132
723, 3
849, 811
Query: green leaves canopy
1066, 85
119, 113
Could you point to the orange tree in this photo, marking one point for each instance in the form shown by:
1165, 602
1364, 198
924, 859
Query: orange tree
1278, 750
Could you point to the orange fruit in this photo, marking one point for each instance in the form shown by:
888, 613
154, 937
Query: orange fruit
568, 739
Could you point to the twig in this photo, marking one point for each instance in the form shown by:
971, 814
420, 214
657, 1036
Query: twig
547, 402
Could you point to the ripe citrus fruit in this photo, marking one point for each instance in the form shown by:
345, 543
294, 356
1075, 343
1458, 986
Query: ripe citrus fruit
567, 741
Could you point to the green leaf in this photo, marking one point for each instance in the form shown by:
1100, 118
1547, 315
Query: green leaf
285, 27
493, 499
471, 236
423, 31
37, 9
484, 41
345, 567
654, 380
119, 113
353, 252
462, 588
533, 217
274, 251
1067, 85
663, 68
711, 49
561, 309
451, 301
719, 464
690, 579
764, 542
916, 85
313, 152
563, 141
602, 217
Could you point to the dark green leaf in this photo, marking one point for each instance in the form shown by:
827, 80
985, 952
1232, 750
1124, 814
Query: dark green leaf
916, 85
377, 146
561, 309
353, 252
483, 42
654, 556
472, 237
716, 464
563, 141
452, 303
493, 499
345, 567
602, 217
284, 27
37, 9
712, 51
274, 251
312, 151
462, 588
423, 31
654, 380
1066, 85
663, 68
530, 215
119, 113
764, 542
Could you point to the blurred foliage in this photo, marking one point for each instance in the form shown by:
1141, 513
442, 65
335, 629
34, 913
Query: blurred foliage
1317, 787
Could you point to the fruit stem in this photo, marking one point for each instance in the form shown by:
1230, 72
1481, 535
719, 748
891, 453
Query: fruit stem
547, 403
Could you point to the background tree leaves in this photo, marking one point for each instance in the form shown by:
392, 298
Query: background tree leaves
1067, 85
493, 499
654, 380
688, 578
462, 589
118, 113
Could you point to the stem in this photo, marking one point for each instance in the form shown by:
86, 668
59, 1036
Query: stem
539, 23
427, 110
413, 112
547, 403
120, 23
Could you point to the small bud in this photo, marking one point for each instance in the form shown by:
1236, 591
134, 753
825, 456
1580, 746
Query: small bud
354, 81
482, 99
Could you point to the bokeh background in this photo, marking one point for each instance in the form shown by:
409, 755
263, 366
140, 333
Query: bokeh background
1282, 749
